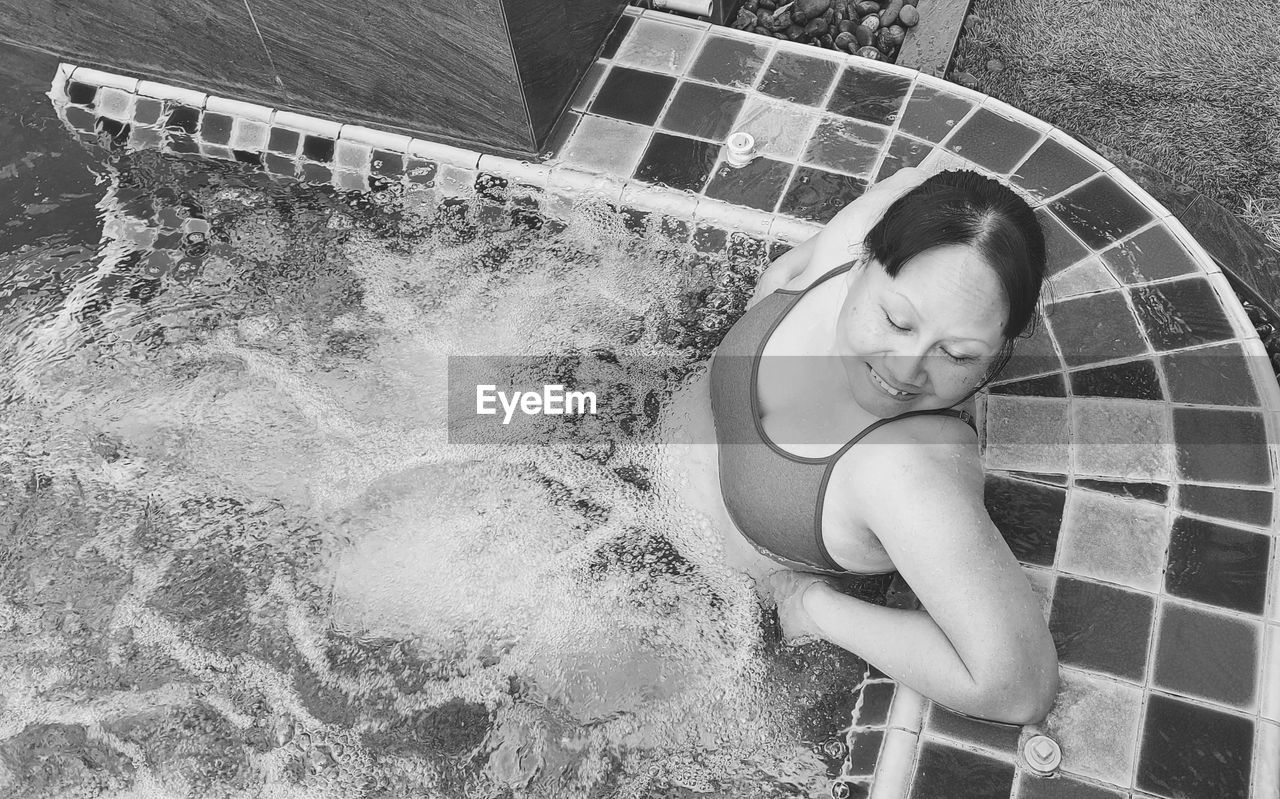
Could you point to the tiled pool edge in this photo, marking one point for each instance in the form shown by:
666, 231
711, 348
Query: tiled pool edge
896, 768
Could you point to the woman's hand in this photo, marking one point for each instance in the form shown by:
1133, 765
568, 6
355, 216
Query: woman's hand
787, 589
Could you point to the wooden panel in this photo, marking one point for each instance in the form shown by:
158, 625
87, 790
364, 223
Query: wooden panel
441, 67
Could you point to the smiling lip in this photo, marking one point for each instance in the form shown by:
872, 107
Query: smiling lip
887, 387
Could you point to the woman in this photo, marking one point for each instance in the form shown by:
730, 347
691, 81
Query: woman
841, 403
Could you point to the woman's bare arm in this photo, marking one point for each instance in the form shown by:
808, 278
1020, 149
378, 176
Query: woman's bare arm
980, 645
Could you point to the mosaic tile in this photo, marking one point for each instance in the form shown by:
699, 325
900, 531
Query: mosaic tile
632, 95
279, 164
1052, 168
1153, 254
932, 113
729, 62
778, 128
1130, 380
1207, 655
619, 32
873, 710
248, 134
81, 93
602, 144
1032, 355
1033, 787
1232, 504
387, 164
945, 772
992, 735
1210, 376
992, 141
845, 145
677, 162
1113, 539
216, 128
317, 148
284, 141
658, 46
1218, 565
798, 77
1028, 515
314, 173
183, 118
1101, 627
1100, 212
1192, 750
864, 752
1219, 446
705, 111
870, 95
248, 157
1086, 277
1046, 386
758, 184
145, 138
1096, 328
1148, 492
1062, 248
1126, 440
590, 82
147, 111
1026, 434
1180, 314
819, 195
559, 136
904, 152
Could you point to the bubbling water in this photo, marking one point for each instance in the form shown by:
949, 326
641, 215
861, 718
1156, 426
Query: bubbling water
245, 560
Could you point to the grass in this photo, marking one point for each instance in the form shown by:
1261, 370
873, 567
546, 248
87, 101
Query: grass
1186, 86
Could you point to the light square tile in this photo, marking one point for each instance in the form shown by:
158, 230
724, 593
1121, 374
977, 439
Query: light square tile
1113, 539
1085, 277
249, 134
1131, 440
1027, 434
1095, 721
114, 103
352, 155
659, 46
606, 145
779, 128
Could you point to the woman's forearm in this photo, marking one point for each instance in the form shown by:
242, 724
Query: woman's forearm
909, 646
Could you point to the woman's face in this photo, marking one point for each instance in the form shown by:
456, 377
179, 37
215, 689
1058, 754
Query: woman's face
925, 339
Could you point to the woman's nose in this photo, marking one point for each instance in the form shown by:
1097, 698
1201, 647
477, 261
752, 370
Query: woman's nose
907, 366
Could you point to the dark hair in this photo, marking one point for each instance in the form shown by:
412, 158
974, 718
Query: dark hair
964, 207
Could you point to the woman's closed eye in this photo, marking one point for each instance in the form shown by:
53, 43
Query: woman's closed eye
895, 325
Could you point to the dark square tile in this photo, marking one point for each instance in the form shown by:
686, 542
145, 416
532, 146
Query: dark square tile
1051, 169
1095, 328
758, 184
1206, 655
279, 164
1132, 380
1028, 515
705, 111
318, 148
81, 93
80, 119
992, 735
798, 77
1062, 248
931, 113
990, 140
1180, 314
284, 141
1193, 751
944, 772
818, 195
633, 95
247, 157
147, 111
1101, 627
387, 164
421, 172
315, 173
903, 152
1232, 504
1046, 386
729, 62
183, 143
1153, 254
873, 96
1151, 492
1100, 212
875, 701
1062, 787
845, 144
215, 128
677, 162
1219, 446
1210, 376
610, 47
864, 752
1218, 565
183, 118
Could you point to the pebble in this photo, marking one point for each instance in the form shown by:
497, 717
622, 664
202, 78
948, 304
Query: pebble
965, 79
909, 16
866, 7
871, 22
808, 9
995, 65
891, 37
871, 52
845, 40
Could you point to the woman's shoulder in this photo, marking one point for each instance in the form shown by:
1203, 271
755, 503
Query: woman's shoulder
930, 453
